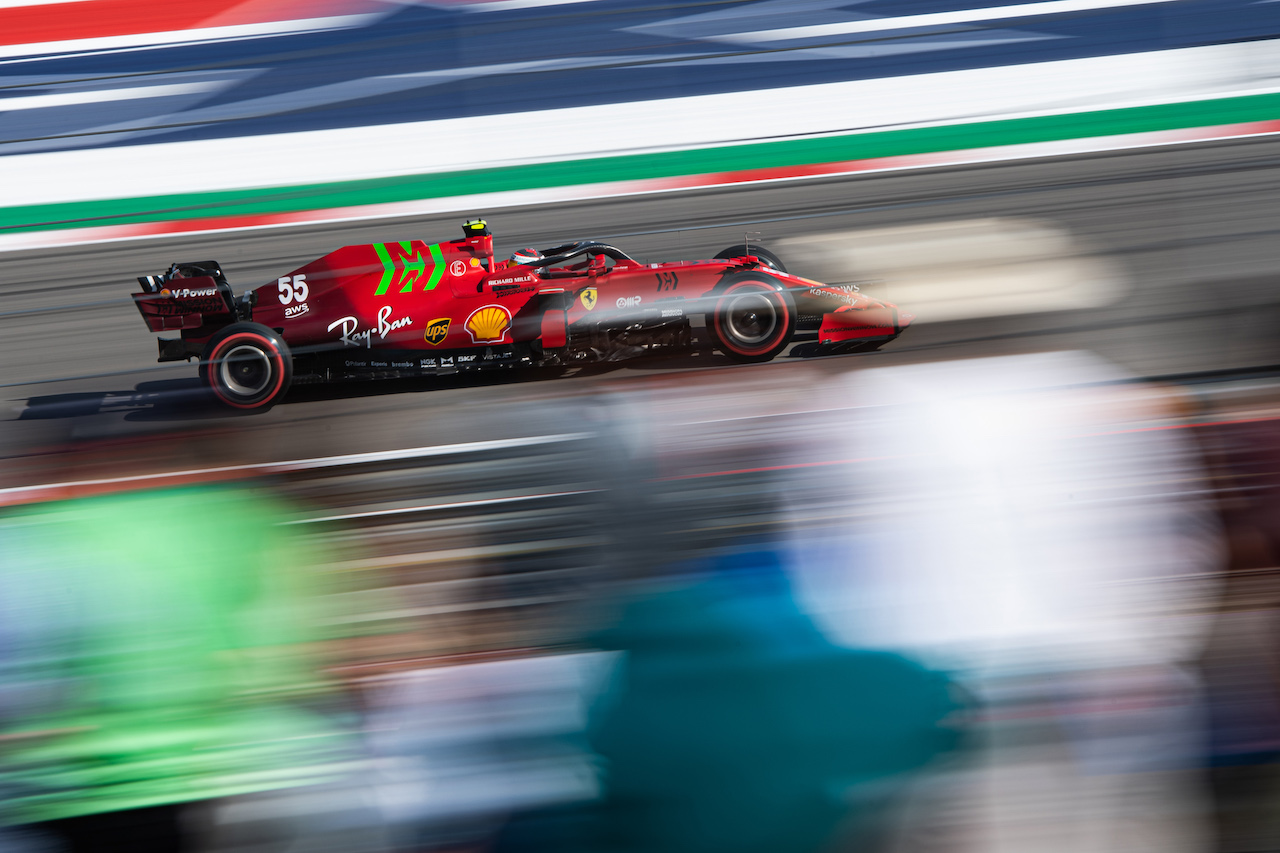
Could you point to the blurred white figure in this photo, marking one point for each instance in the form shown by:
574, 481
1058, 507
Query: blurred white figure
1017, 521
463, 746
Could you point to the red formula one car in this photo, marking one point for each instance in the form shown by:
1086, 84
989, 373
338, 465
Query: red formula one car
414, 308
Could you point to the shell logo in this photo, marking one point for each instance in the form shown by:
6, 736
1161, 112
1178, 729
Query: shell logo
488, 325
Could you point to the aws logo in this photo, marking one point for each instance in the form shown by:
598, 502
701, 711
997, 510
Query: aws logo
437, 331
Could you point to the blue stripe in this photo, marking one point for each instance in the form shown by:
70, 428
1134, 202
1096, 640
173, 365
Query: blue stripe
616, 51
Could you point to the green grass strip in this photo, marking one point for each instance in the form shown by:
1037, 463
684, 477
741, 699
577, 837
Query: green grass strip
732, 158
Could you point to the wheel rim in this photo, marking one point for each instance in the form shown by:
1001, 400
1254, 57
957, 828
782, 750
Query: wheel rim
245, 370
752, 319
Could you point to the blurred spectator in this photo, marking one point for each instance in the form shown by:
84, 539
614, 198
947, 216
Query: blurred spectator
1241, 664
1016, 521
731, 724
158, 690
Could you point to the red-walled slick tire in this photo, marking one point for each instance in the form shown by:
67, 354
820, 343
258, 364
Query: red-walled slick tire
247, 366
753, 319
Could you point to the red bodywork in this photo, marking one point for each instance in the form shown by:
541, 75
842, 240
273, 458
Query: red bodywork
421, 300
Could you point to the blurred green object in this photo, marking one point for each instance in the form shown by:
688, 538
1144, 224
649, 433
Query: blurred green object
154, 650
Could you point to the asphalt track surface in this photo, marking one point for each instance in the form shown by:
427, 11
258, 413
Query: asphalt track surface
1194, 229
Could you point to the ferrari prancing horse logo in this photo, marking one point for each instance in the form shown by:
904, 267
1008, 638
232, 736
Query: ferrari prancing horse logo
437, 330
588, 298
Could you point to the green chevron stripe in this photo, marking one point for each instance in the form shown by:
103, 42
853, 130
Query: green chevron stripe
388, 268
437, 270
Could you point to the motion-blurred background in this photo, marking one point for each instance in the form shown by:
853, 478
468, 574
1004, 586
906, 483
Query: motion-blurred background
1009, 584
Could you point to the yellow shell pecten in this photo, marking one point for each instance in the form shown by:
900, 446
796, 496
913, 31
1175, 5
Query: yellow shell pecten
488, 324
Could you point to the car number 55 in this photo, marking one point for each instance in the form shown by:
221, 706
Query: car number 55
297, 291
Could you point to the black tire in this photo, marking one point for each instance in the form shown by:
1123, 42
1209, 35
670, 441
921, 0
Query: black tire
758, 251
247, 366
753, 318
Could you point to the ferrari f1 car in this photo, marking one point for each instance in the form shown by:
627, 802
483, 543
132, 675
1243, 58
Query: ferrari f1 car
412, 309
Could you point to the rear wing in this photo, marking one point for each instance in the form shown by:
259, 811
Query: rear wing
184, 303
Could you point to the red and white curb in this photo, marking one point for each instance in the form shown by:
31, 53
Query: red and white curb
488, 202
48, 28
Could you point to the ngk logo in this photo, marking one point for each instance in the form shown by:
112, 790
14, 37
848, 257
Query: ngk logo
627, 301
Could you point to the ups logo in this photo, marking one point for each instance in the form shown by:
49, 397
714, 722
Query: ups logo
437, 330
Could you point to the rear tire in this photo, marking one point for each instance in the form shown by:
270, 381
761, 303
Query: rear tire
757, 251
753, 319
247, 366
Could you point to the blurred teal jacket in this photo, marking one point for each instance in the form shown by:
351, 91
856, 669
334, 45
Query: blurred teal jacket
735, 726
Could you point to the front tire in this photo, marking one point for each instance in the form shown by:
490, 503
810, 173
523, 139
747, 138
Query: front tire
742, 250
753, 320
247, 366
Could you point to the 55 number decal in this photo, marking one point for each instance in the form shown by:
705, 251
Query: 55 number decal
295, 292
666, 281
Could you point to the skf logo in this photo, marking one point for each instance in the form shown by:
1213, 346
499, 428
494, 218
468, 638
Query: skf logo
489, 324
588, 298
437, 330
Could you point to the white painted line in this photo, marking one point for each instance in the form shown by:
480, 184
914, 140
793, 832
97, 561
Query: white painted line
192, 36
934, 19
379, 513
46, 491
62, 99
424, 452
508, 5
18, 4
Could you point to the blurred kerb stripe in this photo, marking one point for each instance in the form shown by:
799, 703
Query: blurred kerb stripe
184, 37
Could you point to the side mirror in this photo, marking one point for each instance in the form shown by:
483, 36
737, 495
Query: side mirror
599, 266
